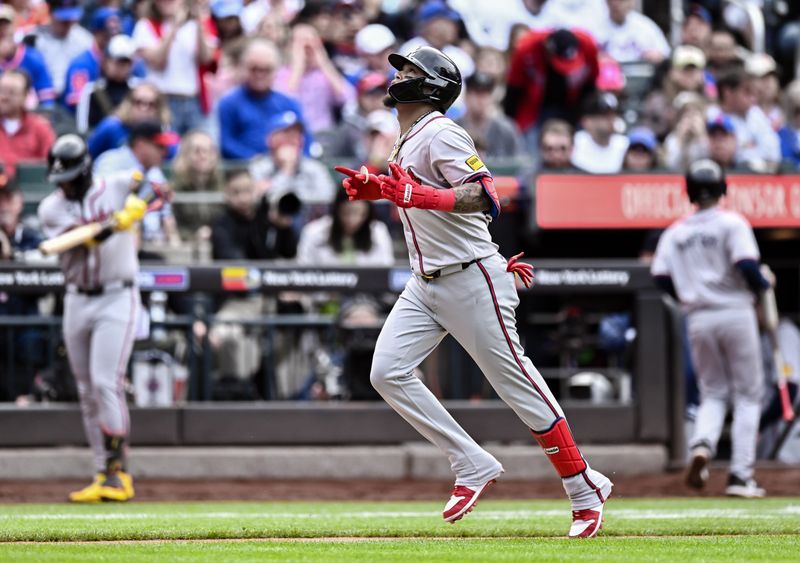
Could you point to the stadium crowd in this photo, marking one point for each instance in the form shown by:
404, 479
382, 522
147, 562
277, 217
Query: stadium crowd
255, 100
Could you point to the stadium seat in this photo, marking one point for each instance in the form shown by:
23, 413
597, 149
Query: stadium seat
638, 83
32, 178
61, 119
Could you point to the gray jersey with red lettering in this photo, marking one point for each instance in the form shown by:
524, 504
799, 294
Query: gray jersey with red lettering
439, 153
113, 260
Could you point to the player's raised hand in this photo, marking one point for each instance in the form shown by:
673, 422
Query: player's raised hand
523, 270
360, 184
404, 191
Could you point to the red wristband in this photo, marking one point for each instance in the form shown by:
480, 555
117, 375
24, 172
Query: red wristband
446, 199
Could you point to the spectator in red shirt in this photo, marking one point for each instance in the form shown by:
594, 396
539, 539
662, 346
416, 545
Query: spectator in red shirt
551, 73
23, 135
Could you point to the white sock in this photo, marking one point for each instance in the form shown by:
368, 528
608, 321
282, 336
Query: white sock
582, 489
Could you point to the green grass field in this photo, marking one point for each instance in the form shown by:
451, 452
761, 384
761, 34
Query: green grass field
710, 529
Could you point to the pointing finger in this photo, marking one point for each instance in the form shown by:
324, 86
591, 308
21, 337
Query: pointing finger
346, 171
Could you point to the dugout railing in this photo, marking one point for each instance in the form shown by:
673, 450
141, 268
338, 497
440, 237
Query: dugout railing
614, 217
563, 310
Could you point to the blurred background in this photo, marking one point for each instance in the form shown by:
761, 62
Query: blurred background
264, 289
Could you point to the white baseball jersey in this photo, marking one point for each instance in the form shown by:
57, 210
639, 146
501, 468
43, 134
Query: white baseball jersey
439, 153
699, 253
113, 260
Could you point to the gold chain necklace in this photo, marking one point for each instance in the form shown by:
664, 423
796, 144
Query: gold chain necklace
398, 144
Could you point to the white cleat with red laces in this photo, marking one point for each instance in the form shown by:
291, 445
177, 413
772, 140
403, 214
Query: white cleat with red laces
462, 501
586, 523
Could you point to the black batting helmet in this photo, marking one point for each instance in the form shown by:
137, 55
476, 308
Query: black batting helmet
70, 166
440, 86
705, 181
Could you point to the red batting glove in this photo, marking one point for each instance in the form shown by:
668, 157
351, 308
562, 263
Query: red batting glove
360, 186
161, 195
523, 270
405, 191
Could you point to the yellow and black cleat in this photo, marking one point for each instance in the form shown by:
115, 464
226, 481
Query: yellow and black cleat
117, 487
90, 494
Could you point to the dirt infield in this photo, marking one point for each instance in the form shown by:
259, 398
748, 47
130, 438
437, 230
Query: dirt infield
777, 481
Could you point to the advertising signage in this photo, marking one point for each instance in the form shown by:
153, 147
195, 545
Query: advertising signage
572, 201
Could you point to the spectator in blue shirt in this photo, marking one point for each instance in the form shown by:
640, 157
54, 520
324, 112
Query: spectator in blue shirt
61, 40
15, 240
790, 133
143, 103
85, 68
245, 112
147, 146
15, 237
24, 57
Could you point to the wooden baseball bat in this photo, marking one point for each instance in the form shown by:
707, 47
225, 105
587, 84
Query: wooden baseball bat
83, 234
770, 309
74, 237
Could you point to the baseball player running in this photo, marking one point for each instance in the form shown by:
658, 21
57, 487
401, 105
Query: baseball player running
709, 262
100, 305
461, 286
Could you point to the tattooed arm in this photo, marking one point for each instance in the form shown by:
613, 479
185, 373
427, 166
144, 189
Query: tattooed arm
471, 198
404, 191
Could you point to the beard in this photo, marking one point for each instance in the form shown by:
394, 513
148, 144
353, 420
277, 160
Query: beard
389, 101
74, 190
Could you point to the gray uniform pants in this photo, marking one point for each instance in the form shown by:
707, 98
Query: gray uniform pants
99, 332
727, 358
476, 306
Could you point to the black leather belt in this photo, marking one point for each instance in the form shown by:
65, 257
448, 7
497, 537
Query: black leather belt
100, 289
447, 270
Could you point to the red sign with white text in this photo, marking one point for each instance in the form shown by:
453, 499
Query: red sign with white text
572, 201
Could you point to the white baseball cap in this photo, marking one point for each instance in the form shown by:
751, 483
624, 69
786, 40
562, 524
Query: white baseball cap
7, 13
120, 47
374, 39
383, 121
688, 55
760, 64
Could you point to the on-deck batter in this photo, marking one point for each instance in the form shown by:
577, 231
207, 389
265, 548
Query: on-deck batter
709, 261
100, 305
461, 286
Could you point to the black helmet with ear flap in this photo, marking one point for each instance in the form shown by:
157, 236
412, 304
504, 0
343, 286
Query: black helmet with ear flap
440, 85
705, 181
69, 162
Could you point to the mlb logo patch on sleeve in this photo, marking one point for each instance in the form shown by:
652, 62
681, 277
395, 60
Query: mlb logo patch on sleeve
474, 162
